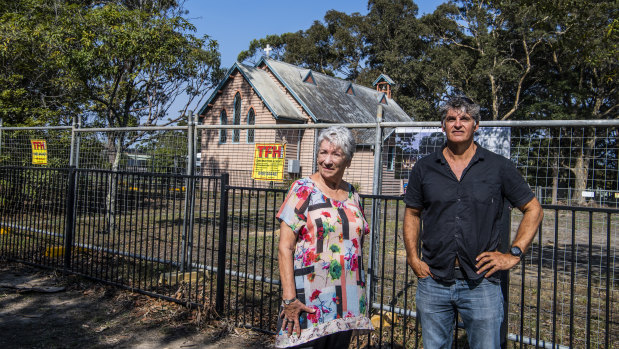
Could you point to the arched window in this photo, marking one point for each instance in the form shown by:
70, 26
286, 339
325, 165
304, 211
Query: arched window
251, 120
223, 133
236, 134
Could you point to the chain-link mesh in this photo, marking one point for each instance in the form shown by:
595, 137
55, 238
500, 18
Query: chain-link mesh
16, 148
563, 165
569, 165
134, 151
237, 155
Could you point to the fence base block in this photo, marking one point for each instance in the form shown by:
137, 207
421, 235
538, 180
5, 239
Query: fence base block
386, 318
58, 251
175, 277
54, 251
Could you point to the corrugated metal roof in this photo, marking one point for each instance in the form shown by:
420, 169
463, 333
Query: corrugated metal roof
267, 89
271, 93
327, 100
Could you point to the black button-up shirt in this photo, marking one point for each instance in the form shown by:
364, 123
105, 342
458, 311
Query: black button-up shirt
462, 218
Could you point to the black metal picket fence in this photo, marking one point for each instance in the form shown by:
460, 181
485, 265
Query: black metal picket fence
199, 241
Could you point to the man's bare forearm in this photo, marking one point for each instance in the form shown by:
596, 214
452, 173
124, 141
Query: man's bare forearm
532, 217
412, 223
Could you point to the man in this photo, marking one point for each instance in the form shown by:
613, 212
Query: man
460, 190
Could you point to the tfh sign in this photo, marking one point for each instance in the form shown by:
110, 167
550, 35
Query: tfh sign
275, 150
39, 151
269, 162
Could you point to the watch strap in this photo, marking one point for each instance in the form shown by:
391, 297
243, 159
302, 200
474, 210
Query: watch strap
289, 301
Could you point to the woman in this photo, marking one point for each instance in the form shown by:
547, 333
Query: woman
322, 230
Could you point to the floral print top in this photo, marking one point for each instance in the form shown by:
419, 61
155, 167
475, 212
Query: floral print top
328, 269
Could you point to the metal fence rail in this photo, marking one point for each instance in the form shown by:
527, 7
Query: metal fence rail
568, 282
567, 162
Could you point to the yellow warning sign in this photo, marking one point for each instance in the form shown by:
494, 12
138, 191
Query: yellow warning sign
269, 162
39, 152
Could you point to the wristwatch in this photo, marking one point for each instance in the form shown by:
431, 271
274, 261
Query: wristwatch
289, 301
516, 251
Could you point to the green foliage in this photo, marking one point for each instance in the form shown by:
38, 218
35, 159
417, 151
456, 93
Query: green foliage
517, 59
123, 63
333, 47
30, 78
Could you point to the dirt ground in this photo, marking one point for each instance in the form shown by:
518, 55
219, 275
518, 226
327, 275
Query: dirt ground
43, 309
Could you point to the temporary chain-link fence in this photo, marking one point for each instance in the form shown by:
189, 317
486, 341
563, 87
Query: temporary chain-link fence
564, 292
570, 164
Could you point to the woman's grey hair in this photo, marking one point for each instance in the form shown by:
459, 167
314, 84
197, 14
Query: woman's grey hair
463, 104
341, 137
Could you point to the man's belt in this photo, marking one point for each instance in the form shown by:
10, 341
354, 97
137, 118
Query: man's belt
459, 273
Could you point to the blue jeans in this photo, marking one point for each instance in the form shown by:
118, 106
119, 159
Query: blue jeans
479, 303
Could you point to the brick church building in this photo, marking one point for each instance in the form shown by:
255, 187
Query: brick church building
275, 93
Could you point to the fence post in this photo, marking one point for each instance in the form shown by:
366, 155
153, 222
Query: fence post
504, 245
189, 196
72, 148
221, 252
74, 155
375, 210
69, 218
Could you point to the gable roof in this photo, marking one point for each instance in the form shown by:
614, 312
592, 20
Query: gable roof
325, 100
269, 92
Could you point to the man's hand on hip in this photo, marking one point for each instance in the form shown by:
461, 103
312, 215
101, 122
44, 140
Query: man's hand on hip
495, 261
420, 268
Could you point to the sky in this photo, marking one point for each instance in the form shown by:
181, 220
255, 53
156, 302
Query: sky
234, 23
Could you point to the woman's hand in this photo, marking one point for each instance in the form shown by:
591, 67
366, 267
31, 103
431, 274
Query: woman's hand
292, 311
291, 314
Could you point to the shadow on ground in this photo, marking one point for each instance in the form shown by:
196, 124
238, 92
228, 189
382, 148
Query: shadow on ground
42, 309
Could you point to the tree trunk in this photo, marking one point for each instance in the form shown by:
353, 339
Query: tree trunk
555, 180
555, 153
115, 152
581, 168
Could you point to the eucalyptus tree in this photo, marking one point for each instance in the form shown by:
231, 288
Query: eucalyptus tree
333, 47
398, 44
580, 82
493, 47
120, 62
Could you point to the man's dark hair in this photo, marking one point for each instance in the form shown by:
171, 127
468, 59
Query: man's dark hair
461, 103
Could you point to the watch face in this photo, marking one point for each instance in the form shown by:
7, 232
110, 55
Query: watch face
516, 251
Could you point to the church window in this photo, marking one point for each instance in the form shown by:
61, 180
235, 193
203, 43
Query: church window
236, 133
251, 120
223, 120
